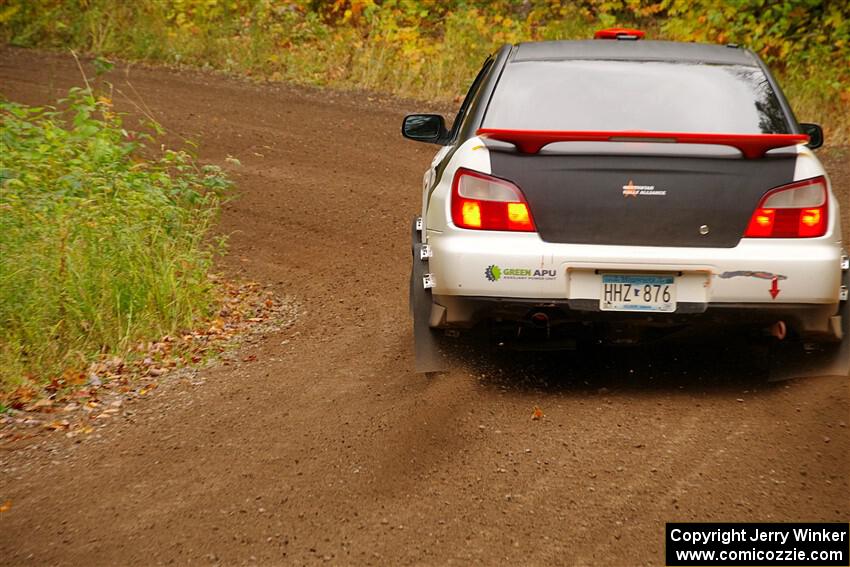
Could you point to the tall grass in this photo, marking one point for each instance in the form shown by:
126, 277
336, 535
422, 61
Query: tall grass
100, 246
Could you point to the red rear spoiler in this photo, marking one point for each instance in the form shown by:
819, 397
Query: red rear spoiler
751, 145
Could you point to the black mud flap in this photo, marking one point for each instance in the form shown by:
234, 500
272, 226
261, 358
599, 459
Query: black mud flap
415, 240
429, 357
831, 359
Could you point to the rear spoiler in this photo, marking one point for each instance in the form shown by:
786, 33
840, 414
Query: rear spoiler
751, 145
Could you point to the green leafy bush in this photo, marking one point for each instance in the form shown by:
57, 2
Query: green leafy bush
103, 242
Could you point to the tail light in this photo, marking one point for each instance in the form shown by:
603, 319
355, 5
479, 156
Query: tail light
619, 33
798, 210
483, 202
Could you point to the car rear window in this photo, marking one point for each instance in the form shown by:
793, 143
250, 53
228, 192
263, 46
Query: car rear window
655, 96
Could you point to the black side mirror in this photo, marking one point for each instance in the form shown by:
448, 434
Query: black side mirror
815, 133
429, 128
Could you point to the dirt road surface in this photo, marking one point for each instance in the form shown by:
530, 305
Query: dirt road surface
330, 449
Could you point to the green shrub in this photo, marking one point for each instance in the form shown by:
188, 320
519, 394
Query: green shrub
103, 242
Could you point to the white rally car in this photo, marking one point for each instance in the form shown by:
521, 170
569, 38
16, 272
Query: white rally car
625, 190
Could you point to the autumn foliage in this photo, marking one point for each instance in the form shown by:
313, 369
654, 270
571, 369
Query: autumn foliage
431, 48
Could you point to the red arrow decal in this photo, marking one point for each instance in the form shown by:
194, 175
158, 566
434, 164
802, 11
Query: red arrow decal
774, 287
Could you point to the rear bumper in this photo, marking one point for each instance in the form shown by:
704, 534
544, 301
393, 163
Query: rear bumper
818, 322
500, 275
807, 270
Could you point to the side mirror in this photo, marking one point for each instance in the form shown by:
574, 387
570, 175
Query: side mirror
429, 128
815, 133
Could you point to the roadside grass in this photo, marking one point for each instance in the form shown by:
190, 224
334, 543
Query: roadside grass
429, 50
104, 238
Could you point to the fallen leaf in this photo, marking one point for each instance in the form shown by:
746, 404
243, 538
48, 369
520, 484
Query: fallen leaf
147, 389
57, 425
6, 506
43, 405
536, 414
21, 396
74, 377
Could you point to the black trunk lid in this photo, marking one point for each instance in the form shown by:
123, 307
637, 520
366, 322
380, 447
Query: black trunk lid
642, 200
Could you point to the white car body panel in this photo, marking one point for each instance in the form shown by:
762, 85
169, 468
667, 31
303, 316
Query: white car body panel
807, 269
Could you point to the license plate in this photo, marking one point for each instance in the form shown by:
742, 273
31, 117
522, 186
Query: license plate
638, 293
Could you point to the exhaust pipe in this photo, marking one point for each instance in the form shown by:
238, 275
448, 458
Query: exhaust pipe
540, 319
778, 330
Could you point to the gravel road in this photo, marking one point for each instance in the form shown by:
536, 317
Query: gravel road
328, 448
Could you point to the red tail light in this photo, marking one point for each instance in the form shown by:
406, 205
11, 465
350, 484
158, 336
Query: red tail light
798, 210
483, 202
617, 33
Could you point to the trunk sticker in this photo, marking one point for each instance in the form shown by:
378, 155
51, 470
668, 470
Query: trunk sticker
495, 273
750, 274
774, 279
632, 190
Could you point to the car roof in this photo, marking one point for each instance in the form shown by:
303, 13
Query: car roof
631, 50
